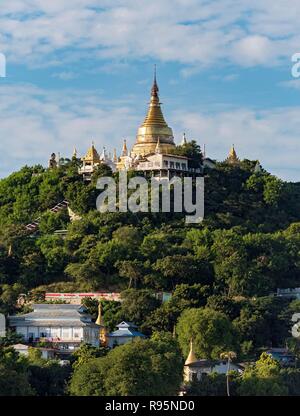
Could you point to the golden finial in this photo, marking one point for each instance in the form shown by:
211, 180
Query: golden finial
74, 153
155, 89
124, 150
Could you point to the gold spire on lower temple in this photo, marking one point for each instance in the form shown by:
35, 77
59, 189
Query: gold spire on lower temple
100, 322
153, 127
192, 356
232, 157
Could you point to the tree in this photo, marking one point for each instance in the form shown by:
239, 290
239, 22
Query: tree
100, 171
132, 270
213, 384
88, 379
178, 269
229, 356
262, 379
86, 353
13, 383
14, 374
212, 332
49, 378
290, 378
191, 150
142, 368
137, 305
184, 296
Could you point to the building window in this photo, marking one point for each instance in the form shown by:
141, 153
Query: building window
183, 166
166, 163
171, 165
76, 334
177, 165
66, 333
194, 377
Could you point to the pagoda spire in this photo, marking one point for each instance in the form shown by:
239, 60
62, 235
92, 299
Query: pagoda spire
154, 89
99, 320
124, 150
115, 158
153, 127
158, 149
184, 141
192, 356
154, 117
232, 157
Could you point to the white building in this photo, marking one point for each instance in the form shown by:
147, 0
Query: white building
194, 369
164, 165
126, 332
65, 326
47, 353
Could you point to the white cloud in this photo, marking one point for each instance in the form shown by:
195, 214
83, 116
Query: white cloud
254, 50
271, 136
61, 120
193, 32
65, 75
294, 83
57, 122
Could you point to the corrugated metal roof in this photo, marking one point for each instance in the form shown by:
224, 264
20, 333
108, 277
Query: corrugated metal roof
51, 323
58, 306
126, 333
126, 324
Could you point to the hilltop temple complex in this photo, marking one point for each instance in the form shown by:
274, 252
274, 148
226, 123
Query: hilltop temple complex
154, 151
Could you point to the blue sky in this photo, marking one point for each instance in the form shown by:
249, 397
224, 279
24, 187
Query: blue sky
81, 70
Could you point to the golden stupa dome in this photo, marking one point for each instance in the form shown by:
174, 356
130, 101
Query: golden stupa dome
154, 128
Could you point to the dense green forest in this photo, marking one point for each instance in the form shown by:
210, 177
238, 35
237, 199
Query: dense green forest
222, 273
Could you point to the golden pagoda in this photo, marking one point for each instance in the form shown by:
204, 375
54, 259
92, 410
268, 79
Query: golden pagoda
232, 157
153, 129
121, 163
89, 162
91, 156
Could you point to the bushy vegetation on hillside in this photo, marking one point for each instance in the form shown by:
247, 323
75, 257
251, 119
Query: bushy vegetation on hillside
221, 272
